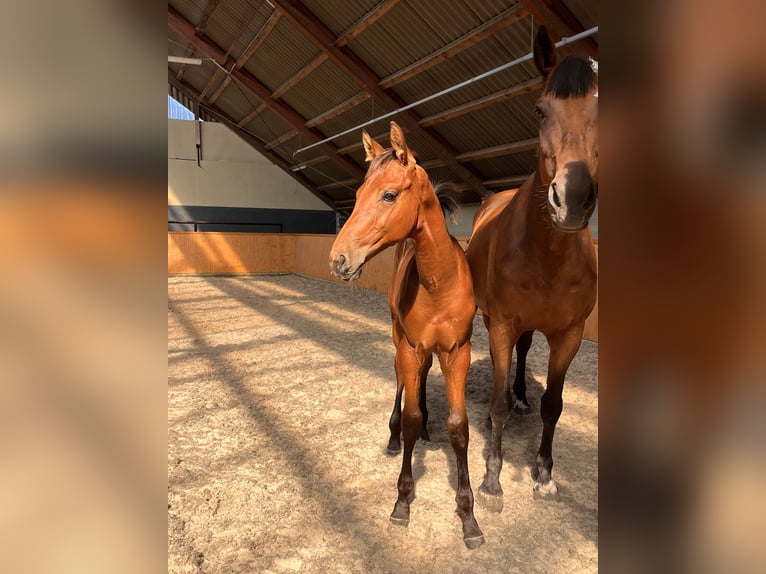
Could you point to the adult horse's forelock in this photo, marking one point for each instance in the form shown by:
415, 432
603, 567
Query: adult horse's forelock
574, 77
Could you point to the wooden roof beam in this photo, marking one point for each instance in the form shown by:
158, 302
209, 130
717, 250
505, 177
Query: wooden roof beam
498, 150
339, 109
257, 40
375, 14
282, 139
322, 37
561, 22
207, 47
182, 68
486, 30
251, 116
297, 78
486, 101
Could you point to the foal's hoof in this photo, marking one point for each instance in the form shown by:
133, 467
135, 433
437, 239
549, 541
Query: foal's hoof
474, 543
548, 490
489, 501
399, 521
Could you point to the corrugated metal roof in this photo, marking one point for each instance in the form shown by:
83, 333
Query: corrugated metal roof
404, 34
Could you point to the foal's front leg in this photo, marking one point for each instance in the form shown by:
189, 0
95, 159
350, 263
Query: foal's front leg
409, 363
395, 422
455, 366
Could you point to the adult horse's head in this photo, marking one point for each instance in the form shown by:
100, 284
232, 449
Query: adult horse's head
568, 112
386, 209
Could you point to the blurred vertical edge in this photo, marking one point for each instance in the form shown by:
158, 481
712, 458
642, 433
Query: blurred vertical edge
682, 279
83, 334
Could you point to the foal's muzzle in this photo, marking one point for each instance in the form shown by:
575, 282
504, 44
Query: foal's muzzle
342, 268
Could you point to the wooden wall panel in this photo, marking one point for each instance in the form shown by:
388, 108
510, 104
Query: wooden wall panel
218, 252
312, 259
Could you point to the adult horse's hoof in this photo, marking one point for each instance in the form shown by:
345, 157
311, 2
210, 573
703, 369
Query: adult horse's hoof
490, 501
521, 406
393, 448
474, 543
548, 490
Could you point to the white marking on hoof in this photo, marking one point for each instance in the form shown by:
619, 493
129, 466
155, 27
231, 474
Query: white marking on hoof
546, 489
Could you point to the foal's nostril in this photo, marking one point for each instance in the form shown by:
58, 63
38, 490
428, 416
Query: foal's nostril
341, 260
556, 199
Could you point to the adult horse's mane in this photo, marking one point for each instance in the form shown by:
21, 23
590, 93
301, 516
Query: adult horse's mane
573, 77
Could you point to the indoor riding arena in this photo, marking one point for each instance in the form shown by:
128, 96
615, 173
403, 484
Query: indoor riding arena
281, 376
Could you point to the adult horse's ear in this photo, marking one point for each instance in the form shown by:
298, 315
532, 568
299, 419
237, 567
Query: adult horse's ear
403, 153
544, 52
372, 148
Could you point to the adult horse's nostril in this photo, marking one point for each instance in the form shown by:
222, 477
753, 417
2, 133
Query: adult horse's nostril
556, 199
341, 260
591, 197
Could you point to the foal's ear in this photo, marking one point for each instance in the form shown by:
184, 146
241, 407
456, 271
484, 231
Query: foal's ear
372, 148
403, 153
544, 52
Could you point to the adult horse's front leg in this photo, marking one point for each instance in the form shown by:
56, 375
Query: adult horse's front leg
501, 341
409, 363
563, 348
455, 366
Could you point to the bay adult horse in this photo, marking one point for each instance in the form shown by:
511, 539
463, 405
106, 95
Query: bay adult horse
431, 301
532, 257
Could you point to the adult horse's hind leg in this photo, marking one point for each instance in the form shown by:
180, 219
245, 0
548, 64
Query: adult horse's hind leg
409, 362
563, 348
455, 368
520, 404
395, 422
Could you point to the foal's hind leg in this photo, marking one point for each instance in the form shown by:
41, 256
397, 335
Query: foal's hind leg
409, 361
395, 422
501, 341
563, 348
455, 368
519, 401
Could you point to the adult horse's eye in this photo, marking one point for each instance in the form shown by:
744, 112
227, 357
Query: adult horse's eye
539, 112
389, 197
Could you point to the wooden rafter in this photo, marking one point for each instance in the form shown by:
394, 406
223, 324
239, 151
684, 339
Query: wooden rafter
211, 82
339, 109
297, 78
489, 28
182, 68
251, 116
282, 139
322, 37
260, 36
498, 150
489, 100
506, 182
375, 14
206, 46
561, 22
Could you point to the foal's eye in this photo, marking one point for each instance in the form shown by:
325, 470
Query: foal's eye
388, 196
539, 112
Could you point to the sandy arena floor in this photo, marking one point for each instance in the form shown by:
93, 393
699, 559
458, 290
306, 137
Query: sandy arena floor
279, 394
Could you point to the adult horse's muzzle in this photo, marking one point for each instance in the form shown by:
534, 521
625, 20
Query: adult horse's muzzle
572, 197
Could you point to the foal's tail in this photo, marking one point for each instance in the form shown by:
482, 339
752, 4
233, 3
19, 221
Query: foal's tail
446, 192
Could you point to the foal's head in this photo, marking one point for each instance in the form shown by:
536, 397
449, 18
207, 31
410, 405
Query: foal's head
387, 205
568, 112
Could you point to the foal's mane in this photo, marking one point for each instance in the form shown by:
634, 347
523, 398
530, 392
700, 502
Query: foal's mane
573, 77
445, 190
